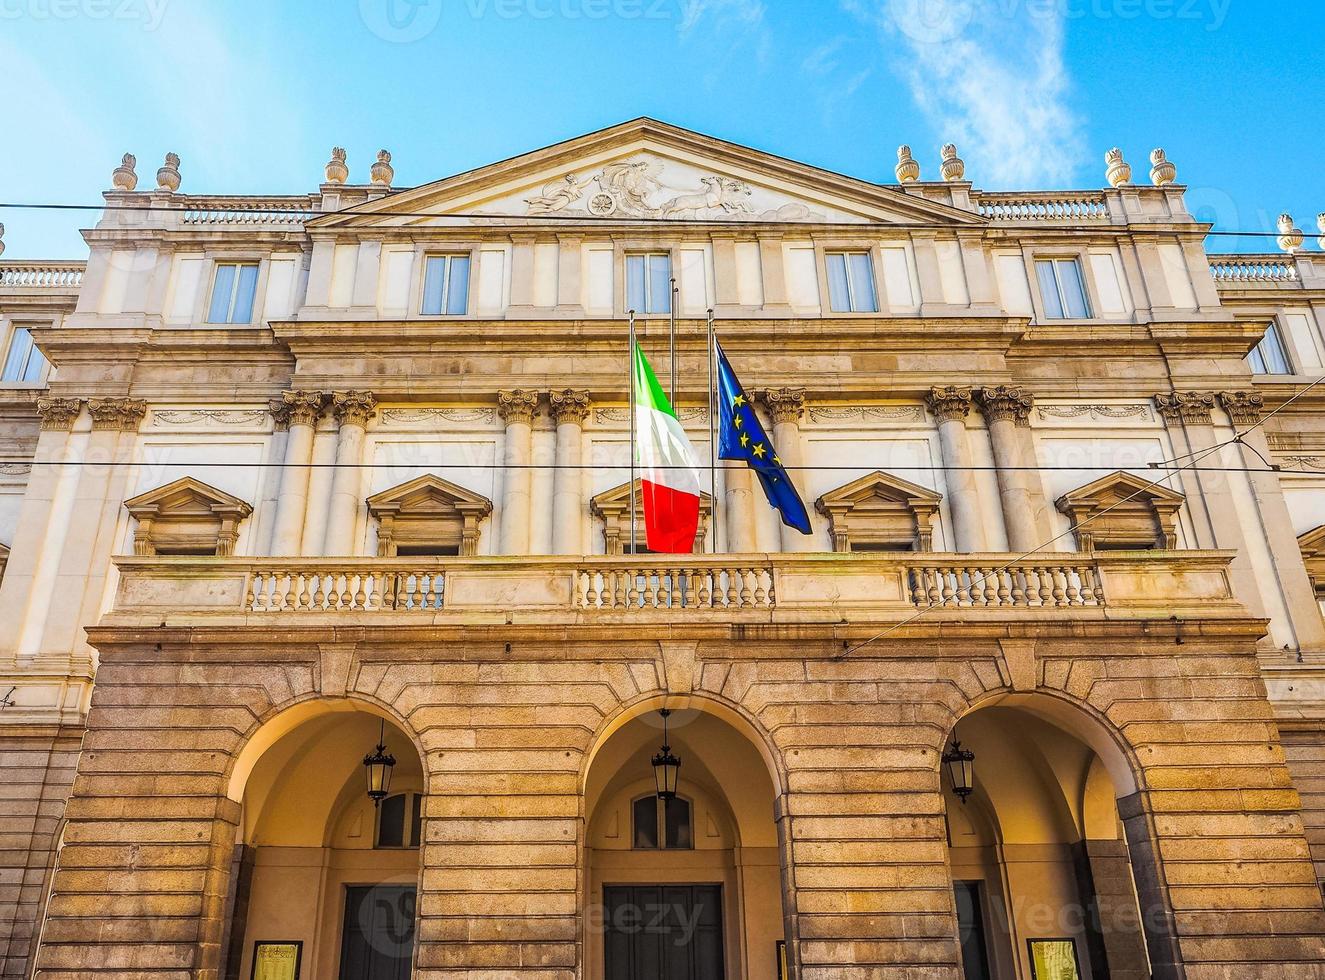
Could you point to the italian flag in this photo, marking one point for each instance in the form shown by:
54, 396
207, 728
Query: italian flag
669, 474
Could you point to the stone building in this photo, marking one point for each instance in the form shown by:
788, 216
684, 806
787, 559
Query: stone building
293, 477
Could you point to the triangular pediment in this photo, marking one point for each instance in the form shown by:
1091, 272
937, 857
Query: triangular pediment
187, 497
1115, 487
617, 500
1312, 543
428, 496
877, 487
645, 170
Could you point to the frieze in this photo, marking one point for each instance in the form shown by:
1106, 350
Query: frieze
1094, 412
15, 469
202, 416
623, 414
851, 413
416, 416
1305, 463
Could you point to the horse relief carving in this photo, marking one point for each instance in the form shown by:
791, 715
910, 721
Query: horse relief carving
632, 188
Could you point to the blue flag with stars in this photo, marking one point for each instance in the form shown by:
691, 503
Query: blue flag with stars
742, 437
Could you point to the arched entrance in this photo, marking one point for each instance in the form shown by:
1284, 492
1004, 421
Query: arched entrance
690, 888
1042, 872
321, 874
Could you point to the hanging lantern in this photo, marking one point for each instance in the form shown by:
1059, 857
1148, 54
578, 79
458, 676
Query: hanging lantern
377, 767
960, 764
666, 767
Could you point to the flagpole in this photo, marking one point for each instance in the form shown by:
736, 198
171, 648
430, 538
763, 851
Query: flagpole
630, 386
671, 343
713, 434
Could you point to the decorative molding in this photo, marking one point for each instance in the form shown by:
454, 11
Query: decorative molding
1123, 510
117, 414
517, 405
353, 407
1186, 406
570, 405
430, 513
888, 413
880, 509
1094, 411
409, 416
59, 414
219, 416
298, 407
629, 188
15, 469
949, 402
623, 414
1307, 462
188, 517
613, 508
1243, 407
1006, 402
784, 404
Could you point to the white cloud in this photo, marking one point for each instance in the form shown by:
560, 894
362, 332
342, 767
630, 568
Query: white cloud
990, 77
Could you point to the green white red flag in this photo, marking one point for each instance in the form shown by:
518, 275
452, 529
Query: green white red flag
669, 472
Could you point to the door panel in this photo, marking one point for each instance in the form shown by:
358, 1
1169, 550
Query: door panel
663, 932
378, 938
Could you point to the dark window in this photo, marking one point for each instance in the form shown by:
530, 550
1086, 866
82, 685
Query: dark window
645, 819
676, 822
399, 819
428, 550
893, 546
971, 930
656, 821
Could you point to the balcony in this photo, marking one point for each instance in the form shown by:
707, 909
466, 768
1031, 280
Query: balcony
762, 588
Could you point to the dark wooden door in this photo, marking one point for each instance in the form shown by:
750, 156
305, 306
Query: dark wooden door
378, 940
663, 932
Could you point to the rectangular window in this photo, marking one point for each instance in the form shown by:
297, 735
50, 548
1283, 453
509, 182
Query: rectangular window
233, 290
446, 285
1062, 289
1268, 356
851, 283
23, 361
649, 282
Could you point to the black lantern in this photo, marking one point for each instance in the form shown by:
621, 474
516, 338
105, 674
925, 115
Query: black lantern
666, 767
377, 767
960, 764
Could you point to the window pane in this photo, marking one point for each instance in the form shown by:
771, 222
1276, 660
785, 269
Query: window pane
16, 361
635, 283
36, 362
660, 284
223, 288
434, 279
391, 821
244, 291
1053, 306
457, 285
644, 815
676, 820
416, 820
1273, 356
1074, 290
839, 294
862, 284
1256, 361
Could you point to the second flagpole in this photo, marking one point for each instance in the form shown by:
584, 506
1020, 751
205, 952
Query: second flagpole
713, 434
630, 386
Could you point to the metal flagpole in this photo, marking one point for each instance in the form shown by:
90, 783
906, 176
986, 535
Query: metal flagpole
713, 434
630, 386
671, 342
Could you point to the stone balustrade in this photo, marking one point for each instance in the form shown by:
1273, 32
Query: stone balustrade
41, 275
764, 587
253, 213
1043, 206
1253, 270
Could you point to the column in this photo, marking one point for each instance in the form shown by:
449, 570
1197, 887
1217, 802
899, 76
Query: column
570, 407
352, 411
516, 408
738, 519
1244, 410
1005, 407
787, 405
300, 411
85, 559
57, 417
950, 405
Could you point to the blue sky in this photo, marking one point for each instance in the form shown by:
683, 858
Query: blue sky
253, 93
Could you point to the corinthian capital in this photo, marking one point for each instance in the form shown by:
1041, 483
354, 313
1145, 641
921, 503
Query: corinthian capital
517, 405
1006, 402
784, 404
298, 407
353, 407
59, 414
1243, 407
948, 402
1186, 406
119, 414
569, 405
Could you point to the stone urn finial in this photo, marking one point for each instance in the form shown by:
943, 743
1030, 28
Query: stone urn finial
907, 169
1117, 171
2, 239
1161, 170
337, 171
124, 178
1320, 223
382, 171
1290, 236
953, 167
167, 178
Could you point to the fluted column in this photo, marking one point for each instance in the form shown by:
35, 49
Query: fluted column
950, 405
353, 410
516, 408
569, 410
1244, 411
1005, 407
787, 406
299, 411
28, 548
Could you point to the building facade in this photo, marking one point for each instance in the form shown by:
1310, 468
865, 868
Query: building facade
295, 477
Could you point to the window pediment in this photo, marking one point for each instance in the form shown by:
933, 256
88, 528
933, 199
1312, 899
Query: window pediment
1312, 545
880, 511
428, 514
4, 559
612, 507
1147, 520
186, 517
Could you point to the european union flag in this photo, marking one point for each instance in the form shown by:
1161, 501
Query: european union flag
742, 437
